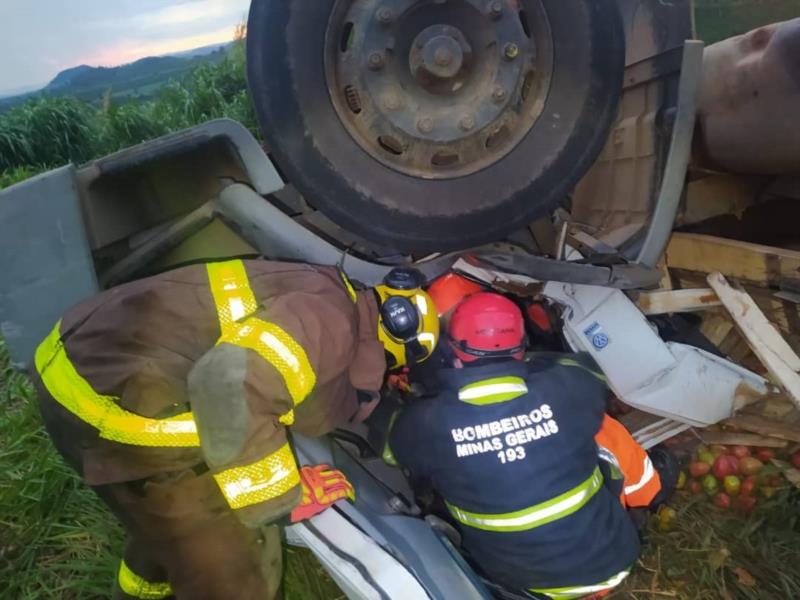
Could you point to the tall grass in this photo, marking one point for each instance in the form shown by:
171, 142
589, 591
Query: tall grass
45, 133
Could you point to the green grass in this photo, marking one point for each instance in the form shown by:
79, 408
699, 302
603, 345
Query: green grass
712, 554
718, 21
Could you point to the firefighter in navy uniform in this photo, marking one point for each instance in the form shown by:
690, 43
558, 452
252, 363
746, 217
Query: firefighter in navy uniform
174, 398
516, 459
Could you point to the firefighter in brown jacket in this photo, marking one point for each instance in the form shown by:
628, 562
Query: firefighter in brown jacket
171, 396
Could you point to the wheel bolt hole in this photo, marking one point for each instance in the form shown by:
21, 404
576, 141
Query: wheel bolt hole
445, 158
523, 20
353, 99
347, 37
497, 137
391, 144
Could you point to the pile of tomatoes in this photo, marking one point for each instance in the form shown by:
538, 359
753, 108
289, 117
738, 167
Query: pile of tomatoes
734, 476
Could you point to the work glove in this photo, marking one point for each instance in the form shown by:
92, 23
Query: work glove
322, 486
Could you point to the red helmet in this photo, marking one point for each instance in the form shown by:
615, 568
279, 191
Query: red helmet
487, 326
449, 290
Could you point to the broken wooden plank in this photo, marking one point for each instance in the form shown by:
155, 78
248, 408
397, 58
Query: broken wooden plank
763, 265
673, 301
740, 439
766, 427
792, 475
762, 336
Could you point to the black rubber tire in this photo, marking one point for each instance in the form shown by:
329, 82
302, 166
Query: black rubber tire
285, 51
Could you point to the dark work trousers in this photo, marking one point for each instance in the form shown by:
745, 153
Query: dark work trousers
180, 529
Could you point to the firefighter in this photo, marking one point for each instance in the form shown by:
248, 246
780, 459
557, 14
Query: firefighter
529, 465
171, 396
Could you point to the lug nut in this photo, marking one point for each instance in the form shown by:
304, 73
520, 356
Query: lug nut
375, 60
511, 51
467, 123
385, 15
499, 94
425, 125
496, 9
391, 102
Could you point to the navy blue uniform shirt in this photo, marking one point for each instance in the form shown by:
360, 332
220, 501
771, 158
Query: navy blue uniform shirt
495, 456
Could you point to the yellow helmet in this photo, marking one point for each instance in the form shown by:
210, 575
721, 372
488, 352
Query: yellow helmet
408, 324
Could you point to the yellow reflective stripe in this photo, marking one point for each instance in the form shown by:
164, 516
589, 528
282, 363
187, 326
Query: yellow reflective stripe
569, 593
279, 349
534, 516
266, 479
349, 286
571, 362
138, 587
113, 422
387, 455
233, 296
492, 391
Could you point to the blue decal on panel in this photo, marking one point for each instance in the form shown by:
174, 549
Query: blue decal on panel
595, 334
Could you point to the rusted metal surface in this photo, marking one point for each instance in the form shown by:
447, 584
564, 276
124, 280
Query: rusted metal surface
449, 88
749, 121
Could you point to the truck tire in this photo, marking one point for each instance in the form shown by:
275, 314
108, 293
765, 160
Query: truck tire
432, 126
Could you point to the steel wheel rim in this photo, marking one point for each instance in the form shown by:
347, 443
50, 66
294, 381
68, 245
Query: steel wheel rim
434, 89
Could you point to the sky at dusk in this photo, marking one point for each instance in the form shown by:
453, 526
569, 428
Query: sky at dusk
39, 38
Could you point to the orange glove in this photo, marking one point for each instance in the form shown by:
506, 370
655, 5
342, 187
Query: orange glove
322, 486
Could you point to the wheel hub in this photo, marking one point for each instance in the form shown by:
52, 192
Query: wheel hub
438, 53
438, 88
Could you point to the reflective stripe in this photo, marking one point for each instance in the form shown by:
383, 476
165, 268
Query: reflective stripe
235, 300
113, 422
571, 362
648, 474
233, 296
492, 391
387, 455
138, 587
266, 479
568, 593
279, 349
349, 286
535, 516
613, 464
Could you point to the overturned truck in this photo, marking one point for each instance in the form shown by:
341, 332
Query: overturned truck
541, 146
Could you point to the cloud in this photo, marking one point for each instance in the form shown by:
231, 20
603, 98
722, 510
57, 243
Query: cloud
127, 51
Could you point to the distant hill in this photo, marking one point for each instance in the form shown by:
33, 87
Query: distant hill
137, 80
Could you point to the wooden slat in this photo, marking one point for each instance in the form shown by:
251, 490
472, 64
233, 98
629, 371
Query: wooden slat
764, 339
741, 439
764, 265
766, 427
663, 302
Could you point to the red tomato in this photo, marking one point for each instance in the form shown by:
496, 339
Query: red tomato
745, 504
748, 486
695, 487
750, 465
765, 454
725, 465
699, 469
722, 500
740, 451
